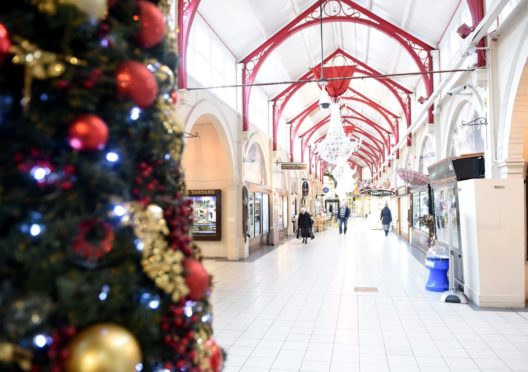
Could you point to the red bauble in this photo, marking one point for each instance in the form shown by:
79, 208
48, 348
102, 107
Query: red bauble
134, 80
152, 24
5, 43
215, 359
85, 248
196, 279
88, 133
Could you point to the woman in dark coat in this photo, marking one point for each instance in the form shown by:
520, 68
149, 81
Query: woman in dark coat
304, 224
386, 218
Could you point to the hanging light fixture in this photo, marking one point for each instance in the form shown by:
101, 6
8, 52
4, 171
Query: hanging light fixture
336, 147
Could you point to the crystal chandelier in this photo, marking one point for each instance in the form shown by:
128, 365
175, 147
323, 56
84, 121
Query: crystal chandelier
336, 147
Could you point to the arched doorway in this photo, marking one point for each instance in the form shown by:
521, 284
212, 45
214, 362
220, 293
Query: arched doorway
209, 171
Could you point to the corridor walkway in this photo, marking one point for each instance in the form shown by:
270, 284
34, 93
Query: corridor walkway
354, 303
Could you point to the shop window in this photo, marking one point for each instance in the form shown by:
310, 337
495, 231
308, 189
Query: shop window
258, 214
251, 205
285, 212
420, 208
265, 213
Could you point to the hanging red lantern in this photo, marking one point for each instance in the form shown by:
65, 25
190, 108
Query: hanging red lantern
88, 133
5, 43
134, 80
196, 278
151, 24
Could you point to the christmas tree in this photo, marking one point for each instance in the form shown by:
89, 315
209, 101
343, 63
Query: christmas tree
97, 268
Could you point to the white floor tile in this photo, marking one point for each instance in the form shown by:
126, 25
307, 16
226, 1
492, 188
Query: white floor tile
296, 308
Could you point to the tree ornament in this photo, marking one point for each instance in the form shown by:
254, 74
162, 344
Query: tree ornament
215, 359
96, 9
196, 279
88, 133
26, 313
174, 96
165, 78
103, 347
5, 43
88, 251
151, 24
134, 80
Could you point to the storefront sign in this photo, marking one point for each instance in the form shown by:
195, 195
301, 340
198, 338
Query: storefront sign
294, 166
402, 190
207, 206
381, 192
325, 189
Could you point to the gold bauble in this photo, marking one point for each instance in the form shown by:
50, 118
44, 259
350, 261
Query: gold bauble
94, 8
103, 347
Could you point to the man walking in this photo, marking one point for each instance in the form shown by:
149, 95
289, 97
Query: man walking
386, 218
342, 218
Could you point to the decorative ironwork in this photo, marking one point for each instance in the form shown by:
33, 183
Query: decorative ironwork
339, 57
334, 11
186, 12
475, 122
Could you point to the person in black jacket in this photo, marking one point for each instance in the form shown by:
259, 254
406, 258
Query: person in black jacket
342, 218
386, 218
304, 224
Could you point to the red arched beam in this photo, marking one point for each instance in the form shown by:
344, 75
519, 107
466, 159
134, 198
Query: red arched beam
374, 160
309, 133
369, 149
343, 11
375, 142
400, 93
296, 123
299, 119
358, 169
371, 155
354, 95
186, 12
476, 8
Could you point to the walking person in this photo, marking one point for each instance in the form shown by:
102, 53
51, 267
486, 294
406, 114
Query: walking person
304, 224
386, 218
342, 218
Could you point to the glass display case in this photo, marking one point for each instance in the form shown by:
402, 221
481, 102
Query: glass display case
207, 214
420, 208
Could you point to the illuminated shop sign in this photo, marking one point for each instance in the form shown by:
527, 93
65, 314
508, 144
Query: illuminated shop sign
207, 214
381, 192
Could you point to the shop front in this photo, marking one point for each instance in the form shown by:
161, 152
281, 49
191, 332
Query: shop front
258, 226
420, 207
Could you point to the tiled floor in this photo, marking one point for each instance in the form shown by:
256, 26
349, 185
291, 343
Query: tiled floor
297, 309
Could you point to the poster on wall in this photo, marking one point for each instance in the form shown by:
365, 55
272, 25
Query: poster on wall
207, 206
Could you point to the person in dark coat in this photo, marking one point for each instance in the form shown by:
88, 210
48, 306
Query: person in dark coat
342, 218
386, 218
304, 224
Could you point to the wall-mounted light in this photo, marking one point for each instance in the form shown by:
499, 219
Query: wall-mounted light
464, 30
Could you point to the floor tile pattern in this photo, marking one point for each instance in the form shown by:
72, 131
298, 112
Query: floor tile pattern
297, 308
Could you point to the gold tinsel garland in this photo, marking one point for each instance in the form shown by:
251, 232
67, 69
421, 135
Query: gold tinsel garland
161, 263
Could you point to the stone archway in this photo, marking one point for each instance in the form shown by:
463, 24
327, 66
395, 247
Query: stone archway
208, 165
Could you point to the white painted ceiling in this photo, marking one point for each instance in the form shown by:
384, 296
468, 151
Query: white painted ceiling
243, 25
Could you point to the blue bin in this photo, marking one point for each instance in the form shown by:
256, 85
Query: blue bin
438, 281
